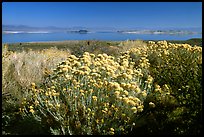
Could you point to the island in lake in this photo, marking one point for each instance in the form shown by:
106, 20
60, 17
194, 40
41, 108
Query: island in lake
78, 31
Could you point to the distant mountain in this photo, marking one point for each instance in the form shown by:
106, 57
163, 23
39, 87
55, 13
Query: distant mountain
50, 29
15, 28
78, 27
25, 28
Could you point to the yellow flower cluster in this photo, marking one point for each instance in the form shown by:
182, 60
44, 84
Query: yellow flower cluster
94, 82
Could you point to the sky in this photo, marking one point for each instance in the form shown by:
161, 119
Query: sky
103, 14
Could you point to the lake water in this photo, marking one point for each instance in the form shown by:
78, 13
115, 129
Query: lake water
40, 37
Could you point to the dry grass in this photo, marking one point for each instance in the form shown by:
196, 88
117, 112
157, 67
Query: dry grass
129, 44
21, 69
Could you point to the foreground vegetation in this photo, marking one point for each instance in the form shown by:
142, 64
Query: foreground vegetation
128, 87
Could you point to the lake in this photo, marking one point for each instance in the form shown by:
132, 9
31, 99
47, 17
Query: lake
113, 36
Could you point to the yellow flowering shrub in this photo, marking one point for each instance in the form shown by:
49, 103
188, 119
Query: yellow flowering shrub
178, 67
150, 88
91, 94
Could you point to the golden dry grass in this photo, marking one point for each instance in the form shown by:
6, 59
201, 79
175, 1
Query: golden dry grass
20, 69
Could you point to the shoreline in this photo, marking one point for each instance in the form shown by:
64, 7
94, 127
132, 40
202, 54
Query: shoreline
76, 41
63, 41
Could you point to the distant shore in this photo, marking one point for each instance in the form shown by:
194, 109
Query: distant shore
65, 41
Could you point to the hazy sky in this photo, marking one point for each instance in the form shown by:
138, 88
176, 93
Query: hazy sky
103, 14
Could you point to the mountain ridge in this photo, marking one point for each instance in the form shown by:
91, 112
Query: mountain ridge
64, 29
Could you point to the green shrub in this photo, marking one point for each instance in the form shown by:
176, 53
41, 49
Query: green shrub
180, 67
